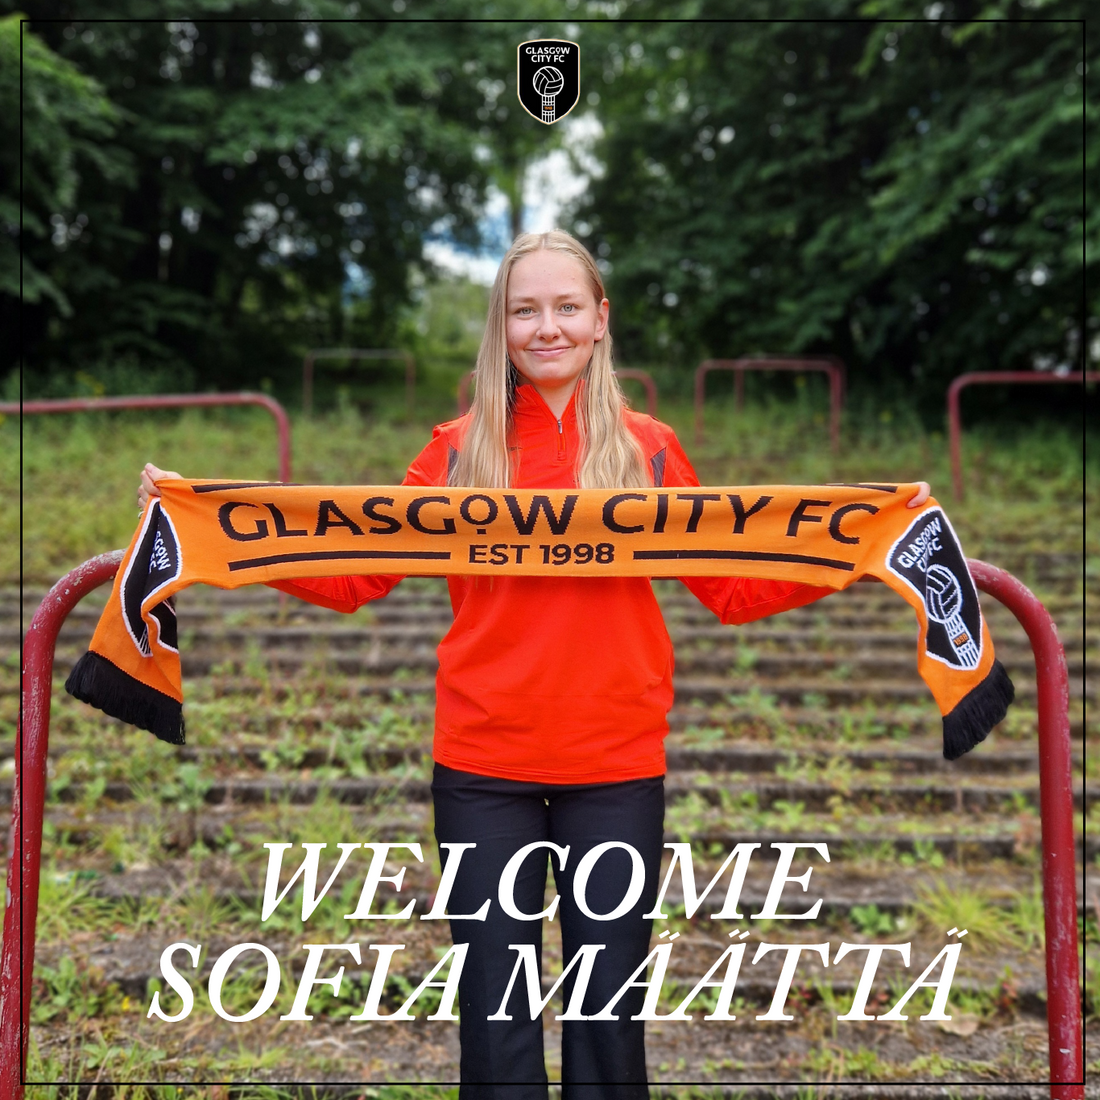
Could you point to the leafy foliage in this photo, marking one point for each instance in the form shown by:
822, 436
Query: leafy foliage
907, 195
65, 118
271, 160
212, 190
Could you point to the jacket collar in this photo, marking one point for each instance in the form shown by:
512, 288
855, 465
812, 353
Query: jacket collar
530, 404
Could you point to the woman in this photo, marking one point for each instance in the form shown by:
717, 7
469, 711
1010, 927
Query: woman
552, 693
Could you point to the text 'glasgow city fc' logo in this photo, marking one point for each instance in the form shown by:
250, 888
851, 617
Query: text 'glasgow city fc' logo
154, 563
929, 559
548, 80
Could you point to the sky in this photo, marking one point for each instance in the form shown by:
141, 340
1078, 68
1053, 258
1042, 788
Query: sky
553, 182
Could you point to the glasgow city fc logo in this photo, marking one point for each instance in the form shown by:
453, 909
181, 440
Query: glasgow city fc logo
929, 559
548, 78
154, 563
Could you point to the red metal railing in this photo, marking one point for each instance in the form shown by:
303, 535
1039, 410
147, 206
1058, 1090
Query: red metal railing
27, 802
356, 353
464, 384
1056, 817
988, 377
828, 365
646, 380
165, 401
642, 376
1055, 794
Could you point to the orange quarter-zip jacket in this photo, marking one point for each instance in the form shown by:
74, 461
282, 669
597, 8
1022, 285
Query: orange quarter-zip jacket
548, 679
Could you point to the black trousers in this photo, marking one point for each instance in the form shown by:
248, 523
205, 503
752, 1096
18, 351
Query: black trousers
503, 1060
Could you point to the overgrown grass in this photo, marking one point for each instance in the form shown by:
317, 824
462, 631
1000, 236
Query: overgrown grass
79, 473
79, 476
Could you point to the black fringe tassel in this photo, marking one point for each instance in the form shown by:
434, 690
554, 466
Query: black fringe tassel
104, 685
977, 713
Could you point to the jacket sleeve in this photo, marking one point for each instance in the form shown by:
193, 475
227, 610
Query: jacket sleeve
735, 599
348, 594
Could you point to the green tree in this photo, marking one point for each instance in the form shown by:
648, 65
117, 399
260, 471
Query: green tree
907, 195
65, 122
270, 159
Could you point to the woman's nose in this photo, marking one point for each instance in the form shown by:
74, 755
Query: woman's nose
548, 324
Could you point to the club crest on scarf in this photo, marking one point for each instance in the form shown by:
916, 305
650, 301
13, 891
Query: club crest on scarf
548, 78
155, 564
929, 559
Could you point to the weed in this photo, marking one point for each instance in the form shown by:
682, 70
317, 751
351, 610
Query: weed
842, 1063
1007, 994
835, 771
794, 769
244, 1061
244, 985
186, 787
745, 661
66, 907
685, 817
936, 1065
789, 815
136, 915
92, 793
428, 1001
134, 845
72, 988
831, 1005
854, 727
838, 773
871, 920
955, 905
347, 748
1027, 916
704, 735
201, 912
756, 703
924, 851
287, 753
882, 851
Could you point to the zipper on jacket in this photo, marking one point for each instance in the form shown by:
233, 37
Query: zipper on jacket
561, 441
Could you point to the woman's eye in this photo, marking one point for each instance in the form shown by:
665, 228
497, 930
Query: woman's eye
569, 309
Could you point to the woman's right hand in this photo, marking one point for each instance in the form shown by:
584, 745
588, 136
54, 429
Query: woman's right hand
147, 488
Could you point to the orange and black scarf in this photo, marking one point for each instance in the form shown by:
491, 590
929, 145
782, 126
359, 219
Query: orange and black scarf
230, 534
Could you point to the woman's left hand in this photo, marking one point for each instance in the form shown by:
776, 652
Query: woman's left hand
920, 496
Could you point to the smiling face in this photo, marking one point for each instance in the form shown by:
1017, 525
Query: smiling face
553, 322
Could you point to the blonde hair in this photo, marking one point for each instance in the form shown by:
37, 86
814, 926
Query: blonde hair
610, 456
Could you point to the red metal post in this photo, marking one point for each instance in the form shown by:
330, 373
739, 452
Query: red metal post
836, 402
646, 380
166, 401
832, 367
356, 353
307, 383
464, 384
1056, 816
410, 382
27, 804
988, 377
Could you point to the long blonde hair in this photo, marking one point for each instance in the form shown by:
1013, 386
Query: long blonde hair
610, 456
